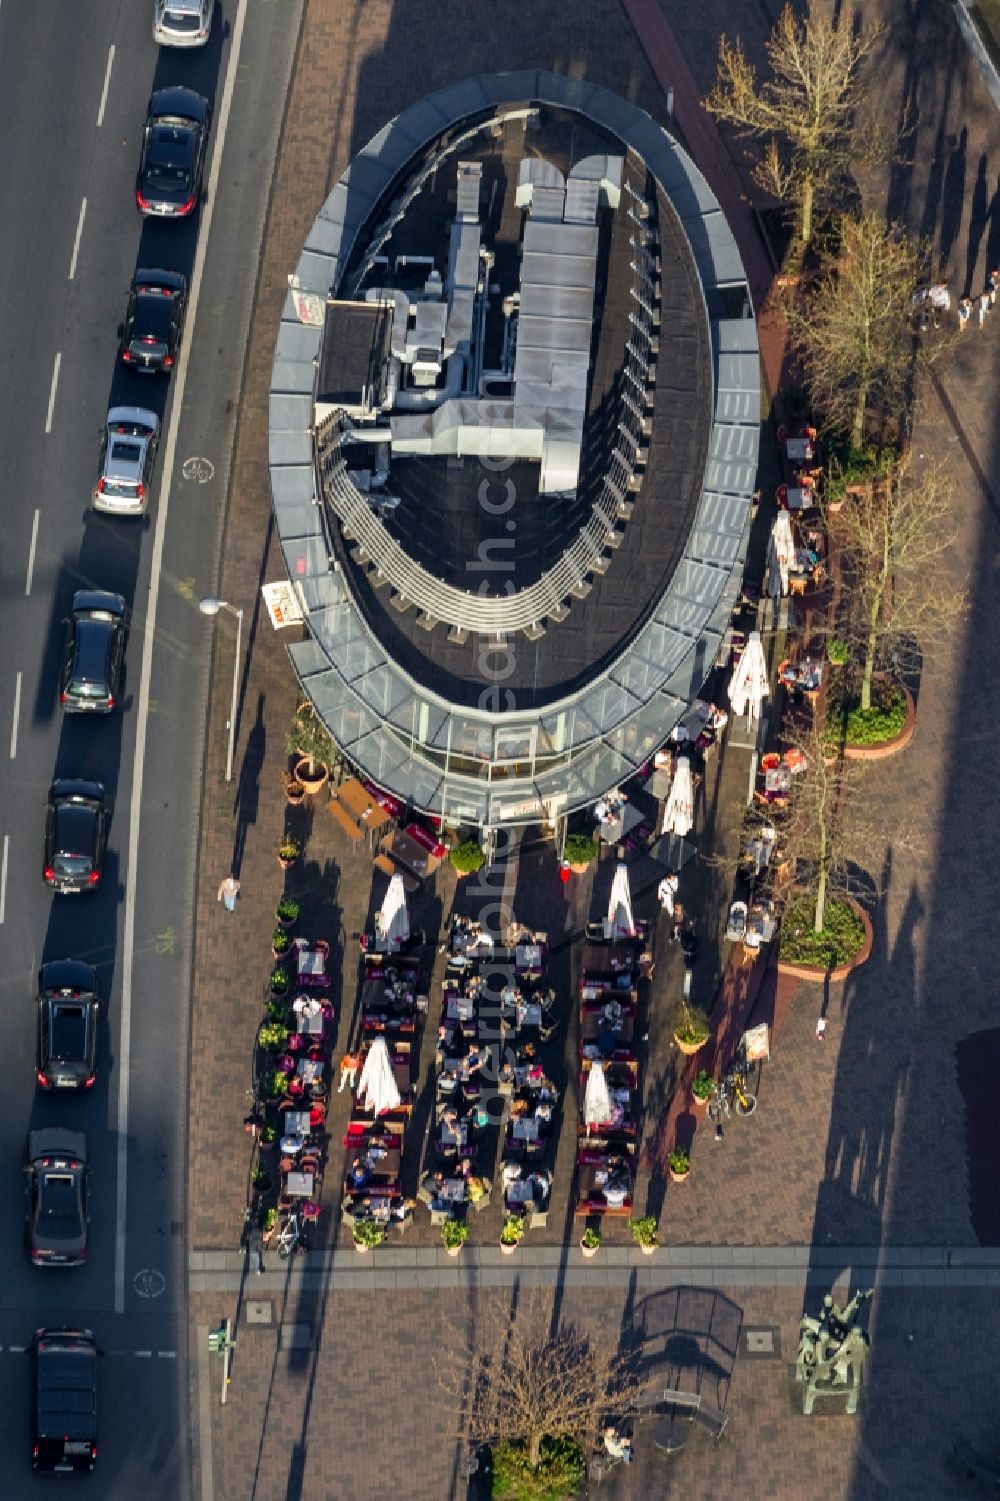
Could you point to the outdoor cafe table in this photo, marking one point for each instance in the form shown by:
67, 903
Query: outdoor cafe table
311, 962
799, 450
411, 855
309, 1069
453, 1191
296, 1122
528, 1014
454, 1135
366, 813
309, 1023
524, 1128
520, 1192
528, 957
460, 1008
299, 1185
800, 498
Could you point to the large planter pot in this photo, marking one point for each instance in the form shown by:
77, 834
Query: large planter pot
688, 1048
816, 972
454, 1250
887, 747
580, 870
678, 1177
648, 1250
589, 1251
508, 1250
361, 1250
312, 781
295, 794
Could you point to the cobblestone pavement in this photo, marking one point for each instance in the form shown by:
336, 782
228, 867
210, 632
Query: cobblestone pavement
863, 1142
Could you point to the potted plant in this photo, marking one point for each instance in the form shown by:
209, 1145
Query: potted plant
272, 1036
702, 1088
454, 1234
275, 1084
579, 851
261, 1180
286, 913
280, 943
276, 1008
512, 1233
645, 1234
590, 1242
368, 1233
267, 1219
837, 652
690, 1027
679, 1164
467, 858
281, 980
267, 1138
295, 791
289, 850
309, 740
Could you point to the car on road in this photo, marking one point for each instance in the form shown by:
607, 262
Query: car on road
75, 835
154, 321
182, 23
93, 653
129, 440
174, 140
69, 1007
64, 1377
56, 1197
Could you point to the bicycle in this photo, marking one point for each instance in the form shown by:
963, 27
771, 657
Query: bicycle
291, 1237
732, 1095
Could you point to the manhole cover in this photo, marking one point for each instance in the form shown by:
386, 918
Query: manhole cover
762, 1342
259, 1311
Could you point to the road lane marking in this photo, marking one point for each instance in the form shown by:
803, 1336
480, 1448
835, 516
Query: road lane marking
76, 242
107, 81
143, 1354
142, 707
31, 554
166, 1354
3, 881
17, 1349
52, 392
17, 713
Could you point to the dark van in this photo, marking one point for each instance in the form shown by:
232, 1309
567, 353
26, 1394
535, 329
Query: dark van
64, 1369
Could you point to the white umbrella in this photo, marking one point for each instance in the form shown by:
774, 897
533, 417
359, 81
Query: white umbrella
377, 1090
596, 1100
678, 815
748, 686
392, 924
780, 552
620, 919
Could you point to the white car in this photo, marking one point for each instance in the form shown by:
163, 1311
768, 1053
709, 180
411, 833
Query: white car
182, 23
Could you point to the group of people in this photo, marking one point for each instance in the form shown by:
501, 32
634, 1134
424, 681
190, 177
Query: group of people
981, 305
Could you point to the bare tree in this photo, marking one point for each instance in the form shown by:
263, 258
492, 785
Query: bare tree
854, 326
895, 539
807, 114
522, 1379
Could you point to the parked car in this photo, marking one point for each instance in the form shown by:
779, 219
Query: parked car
182, 23
75, 835
154, 321
64, 1377
56, 1197
93, 653
69, 1006
129, 441
174, 141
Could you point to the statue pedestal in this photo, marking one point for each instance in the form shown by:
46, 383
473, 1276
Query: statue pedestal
849, 1391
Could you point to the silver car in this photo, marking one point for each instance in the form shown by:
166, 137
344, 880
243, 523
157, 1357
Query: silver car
128, 452
182, 23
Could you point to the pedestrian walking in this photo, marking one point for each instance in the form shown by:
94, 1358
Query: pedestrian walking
349, 1065
964, 313
992, 284
228, 892
984, 307
820, 1028
666, 892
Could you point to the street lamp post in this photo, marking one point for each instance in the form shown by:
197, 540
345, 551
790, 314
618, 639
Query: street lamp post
211, 606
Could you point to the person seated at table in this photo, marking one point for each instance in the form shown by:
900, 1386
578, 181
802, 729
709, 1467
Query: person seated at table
617, 1444
447, 1081
307, 1005
291, 1146
475, 1187
540, 1182
358, 1174
543, 1111
449, 1117
400, 1209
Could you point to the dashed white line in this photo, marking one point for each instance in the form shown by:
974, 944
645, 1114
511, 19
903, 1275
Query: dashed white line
52, 392
143, 1354
3, 884
17, 715
107, 81
17, 1349
31, 554
76, 242
166, 1354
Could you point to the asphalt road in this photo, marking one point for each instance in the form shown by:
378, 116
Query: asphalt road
70, 124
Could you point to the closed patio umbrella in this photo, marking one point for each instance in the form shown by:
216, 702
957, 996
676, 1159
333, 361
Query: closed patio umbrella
780, 552
620, 919
596, 1100
377, 1089
678, 815
392, 924
749, 686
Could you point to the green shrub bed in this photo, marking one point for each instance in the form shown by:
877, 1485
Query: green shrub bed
848, 724
560, 1475
843, 934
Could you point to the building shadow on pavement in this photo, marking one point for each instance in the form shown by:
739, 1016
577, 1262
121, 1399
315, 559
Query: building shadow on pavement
247, 800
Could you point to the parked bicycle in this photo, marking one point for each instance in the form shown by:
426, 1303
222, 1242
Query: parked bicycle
291, 1238
734, 1094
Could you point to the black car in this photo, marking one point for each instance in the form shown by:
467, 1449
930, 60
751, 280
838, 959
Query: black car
75, 832
64, 1370
68, 1013
154, 320
56, 1191
174, 139
94, 653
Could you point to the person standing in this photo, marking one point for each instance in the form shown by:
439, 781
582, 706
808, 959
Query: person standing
964, 313
666, 892
349, 1065
228, 892
984, 307
992, 284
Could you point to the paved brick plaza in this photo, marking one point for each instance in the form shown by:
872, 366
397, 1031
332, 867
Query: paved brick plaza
860, 1144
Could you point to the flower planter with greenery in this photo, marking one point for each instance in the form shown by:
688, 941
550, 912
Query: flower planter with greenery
289, 850
558, 1473
368, 1233
861, 733
702, 1088
512, 1233
851, 469
280, 943
275, 1085
590, 1242
310, 741
679, 1164
837, 652
272, 1036
844, 942
281, 980
454, 1234
645, 1234
267, 1219
295, 791
580, 851
467, 858
690, 1028
286, 913
261, 1180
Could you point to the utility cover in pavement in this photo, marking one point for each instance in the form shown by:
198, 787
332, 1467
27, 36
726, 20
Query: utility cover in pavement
259, 1311
762, 1342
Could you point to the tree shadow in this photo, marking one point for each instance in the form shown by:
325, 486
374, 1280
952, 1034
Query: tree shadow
979, 218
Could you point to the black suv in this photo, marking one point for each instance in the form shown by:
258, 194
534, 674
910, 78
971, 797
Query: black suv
173, 153
75, 833
68, 1012
93, 654
154, 320
64, 1370
56, 1197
